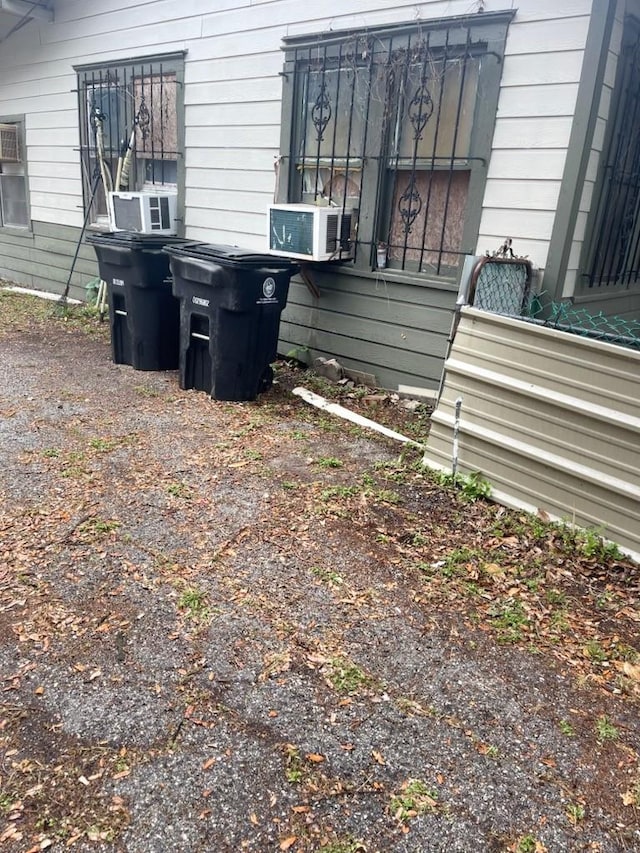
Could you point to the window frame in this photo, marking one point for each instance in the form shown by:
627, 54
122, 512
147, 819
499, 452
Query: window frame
21, 172
374, 202
170, 64
589, 283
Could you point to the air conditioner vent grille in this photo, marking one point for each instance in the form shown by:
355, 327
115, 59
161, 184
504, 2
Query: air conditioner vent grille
9, 152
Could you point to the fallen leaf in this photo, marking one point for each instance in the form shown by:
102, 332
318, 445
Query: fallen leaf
631, 670
253, 817
378, 757
300, 809
208, 763
315, 757
288, 842
39, 691
628, 798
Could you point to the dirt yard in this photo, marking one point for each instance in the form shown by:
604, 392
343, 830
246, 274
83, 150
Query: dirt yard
230, 627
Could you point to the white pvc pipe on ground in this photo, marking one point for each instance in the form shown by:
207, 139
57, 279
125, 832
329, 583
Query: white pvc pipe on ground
341, 412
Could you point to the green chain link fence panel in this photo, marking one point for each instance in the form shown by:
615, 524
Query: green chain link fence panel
504, 286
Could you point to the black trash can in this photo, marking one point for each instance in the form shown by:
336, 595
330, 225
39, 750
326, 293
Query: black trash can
230, 305
143, 312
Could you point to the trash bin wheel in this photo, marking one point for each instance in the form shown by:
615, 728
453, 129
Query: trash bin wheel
266, 380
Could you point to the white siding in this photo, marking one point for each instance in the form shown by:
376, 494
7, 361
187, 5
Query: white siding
232, 98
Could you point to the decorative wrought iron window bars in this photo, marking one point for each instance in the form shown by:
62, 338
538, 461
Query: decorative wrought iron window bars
386, 122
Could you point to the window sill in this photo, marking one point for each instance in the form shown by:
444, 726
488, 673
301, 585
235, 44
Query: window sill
389, 275
17, 230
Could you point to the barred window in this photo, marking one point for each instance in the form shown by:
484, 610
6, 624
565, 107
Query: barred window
396, 123
130, 116
613, 245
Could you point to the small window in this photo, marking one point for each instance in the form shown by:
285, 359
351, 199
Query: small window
14, 207
130, 128
396, 123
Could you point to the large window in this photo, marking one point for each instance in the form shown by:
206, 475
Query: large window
131, 127
14, 208
396, 123
612, 254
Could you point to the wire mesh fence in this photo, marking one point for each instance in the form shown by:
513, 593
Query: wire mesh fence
504, 286
580, 321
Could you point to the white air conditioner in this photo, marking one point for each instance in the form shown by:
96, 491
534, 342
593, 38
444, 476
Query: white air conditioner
9, 151
144, 213
310, 233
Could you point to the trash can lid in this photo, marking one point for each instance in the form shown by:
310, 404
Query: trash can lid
229, 255
133, 240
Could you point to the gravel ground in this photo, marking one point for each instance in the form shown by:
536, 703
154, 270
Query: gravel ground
229, 627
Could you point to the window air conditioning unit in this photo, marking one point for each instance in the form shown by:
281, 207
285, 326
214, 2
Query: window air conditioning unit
310, 233
144, 213
9, 143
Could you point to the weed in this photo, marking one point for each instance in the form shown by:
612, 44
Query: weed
103, 445
605, 730
623, 651
471, 588
121, 765
338, 492
526, 844
289, 485
298, 435
566, 728
51, 453
456, 562
386, 496
6, 802
509, 620
367, 481
345, 845
475, 486
346, 677
575, 812
596, 652
415, 798
591, 544
180, 490
194, 603
98, 527
329, 462
559, 621
328, 576
294, 765
604, 601
471, 487
146, 391
555, 597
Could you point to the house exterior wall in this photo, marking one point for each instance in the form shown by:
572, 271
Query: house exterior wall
394, 326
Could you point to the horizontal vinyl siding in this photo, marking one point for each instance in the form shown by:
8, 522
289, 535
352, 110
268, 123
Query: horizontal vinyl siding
550, 419
395, 331
41, 259
539, 88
